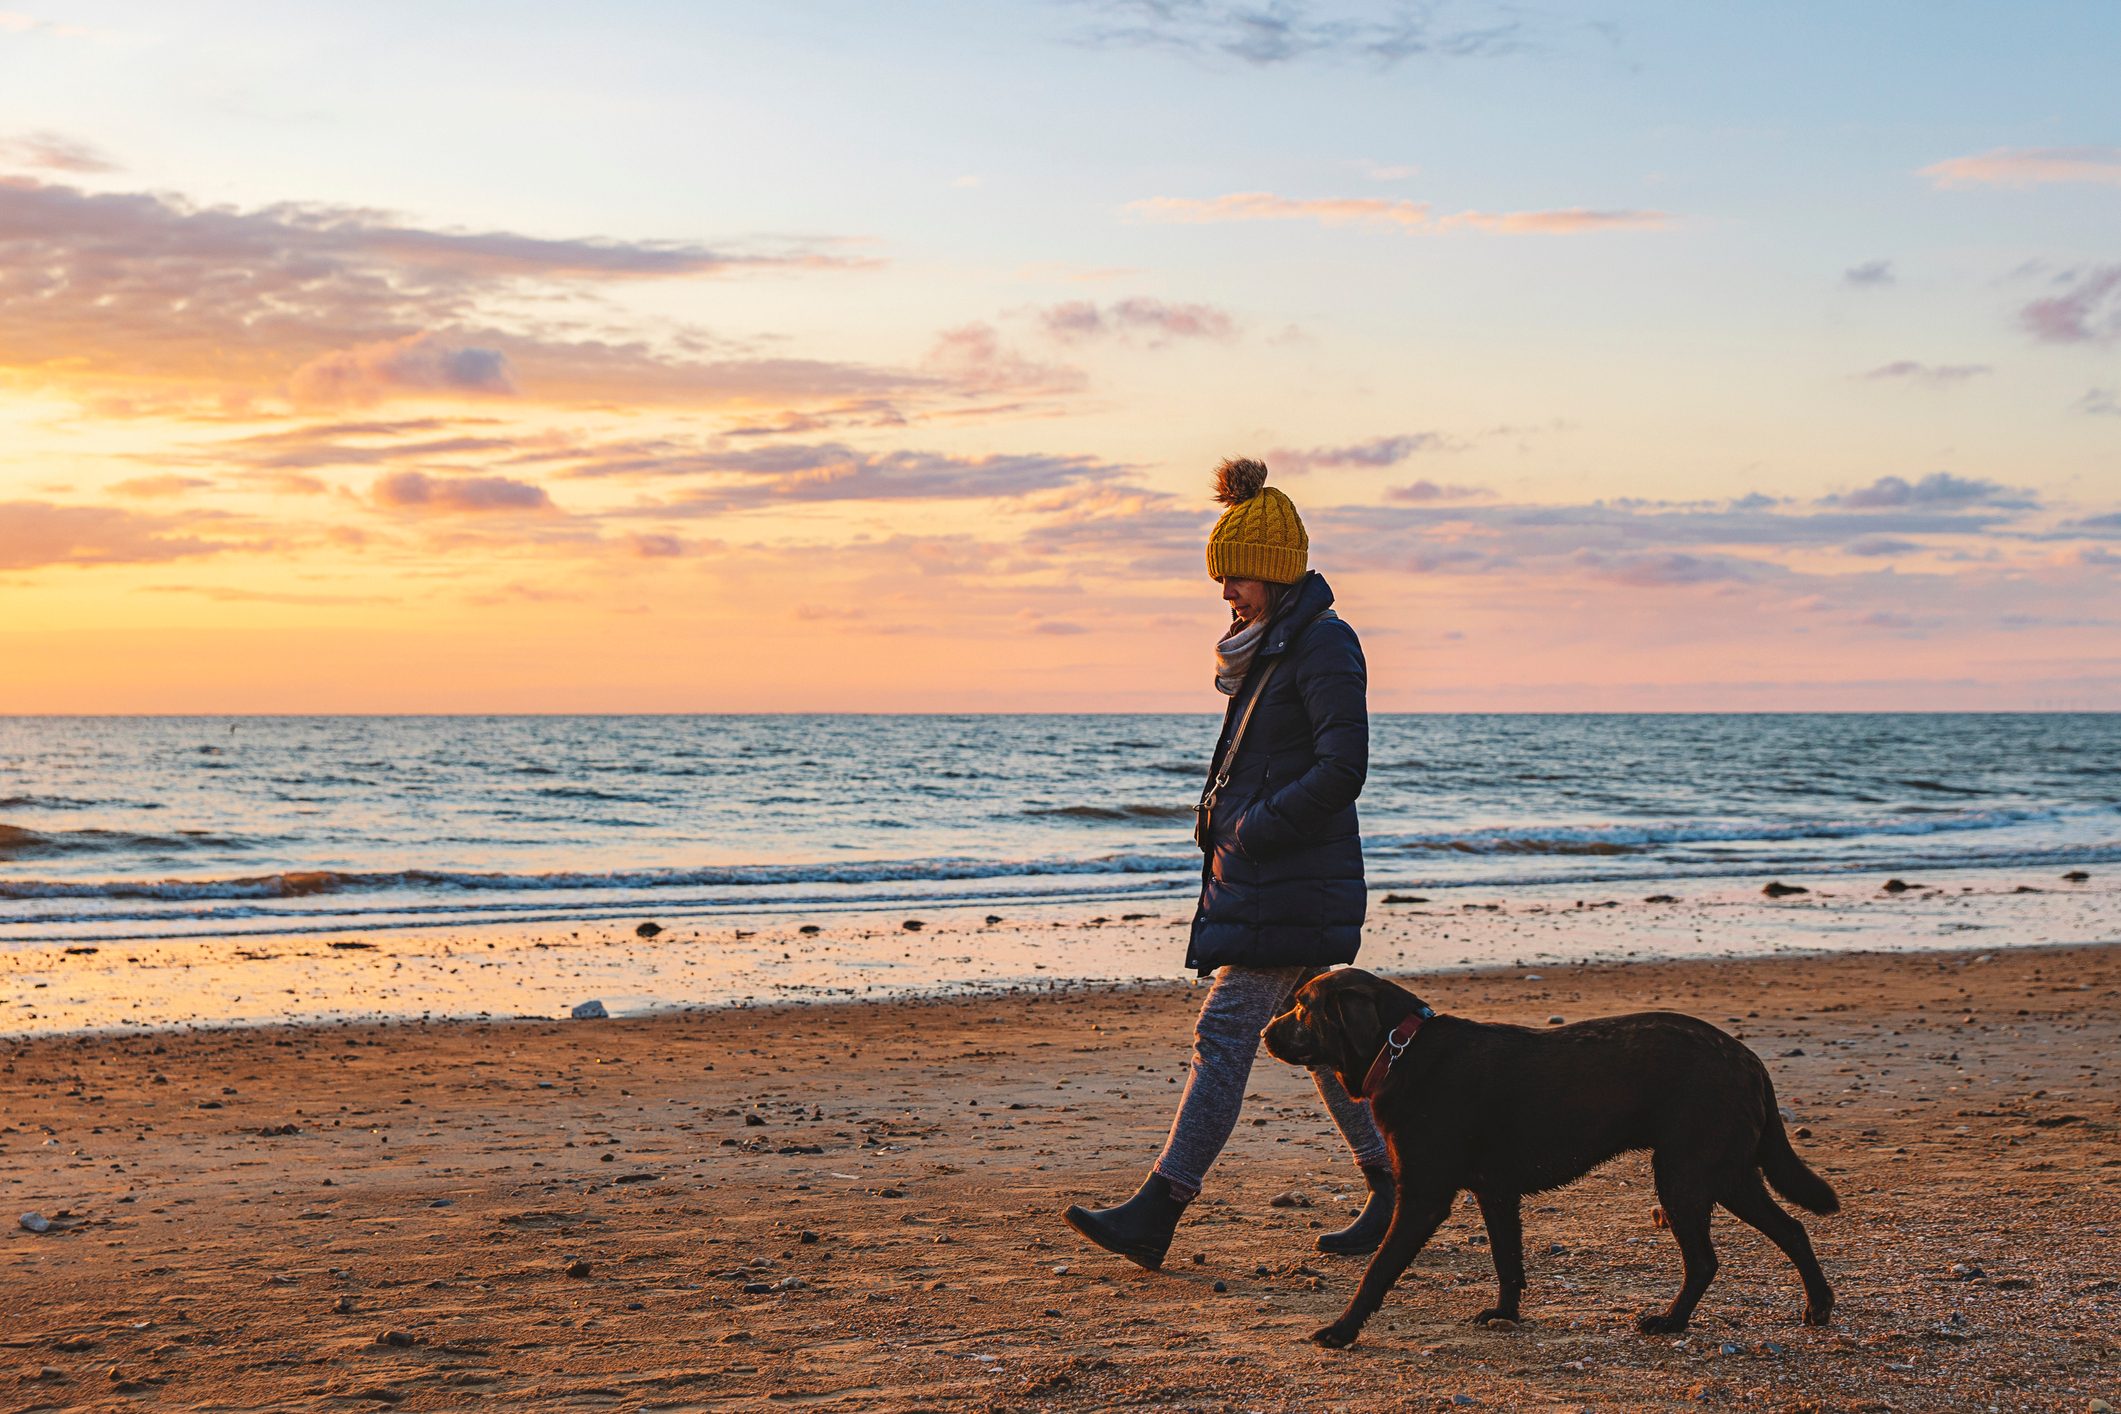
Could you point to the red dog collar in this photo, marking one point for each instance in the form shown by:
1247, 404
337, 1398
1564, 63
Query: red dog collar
1400, 1038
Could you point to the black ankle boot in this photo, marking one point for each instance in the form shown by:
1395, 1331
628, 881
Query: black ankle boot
1138, 1229
1361, 1237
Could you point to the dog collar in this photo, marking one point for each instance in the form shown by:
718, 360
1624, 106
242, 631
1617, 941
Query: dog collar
1401, 1037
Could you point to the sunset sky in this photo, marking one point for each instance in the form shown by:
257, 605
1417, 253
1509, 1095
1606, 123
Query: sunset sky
787, 356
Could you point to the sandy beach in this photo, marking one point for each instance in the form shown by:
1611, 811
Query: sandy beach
854, 1206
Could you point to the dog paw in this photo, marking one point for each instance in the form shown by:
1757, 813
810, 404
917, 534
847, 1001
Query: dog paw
1658, 1323
1333, 1337
1817, 1315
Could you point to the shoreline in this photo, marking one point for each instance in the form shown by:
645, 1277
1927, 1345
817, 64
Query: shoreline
510, 970
856, 1208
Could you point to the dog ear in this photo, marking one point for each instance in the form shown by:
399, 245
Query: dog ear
1355, 1017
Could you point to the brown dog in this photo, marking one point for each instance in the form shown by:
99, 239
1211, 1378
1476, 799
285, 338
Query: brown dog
1507, 1110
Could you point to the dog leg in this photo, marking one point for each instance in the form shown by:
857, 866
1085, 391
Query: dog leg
1750, 1202
1504, 1216
1414, 1222
1687, 1205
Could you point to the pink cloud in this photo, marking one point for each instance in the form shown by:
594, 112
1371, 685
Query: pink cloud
2029, 166
36, 533
54, 152
1154, 319
418, 363
1557, 223
2087, 311
150, 487
418, 492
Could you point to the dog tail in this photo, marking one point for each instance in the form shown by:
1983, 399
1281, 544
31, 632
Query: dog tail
1788, 1173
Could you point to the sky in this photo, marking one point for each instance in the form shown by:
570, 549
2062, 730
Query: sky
787, 356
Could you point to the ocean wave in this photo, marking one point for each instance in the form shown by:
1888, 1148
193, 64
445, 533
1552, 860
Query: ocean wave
1113, 812
310, 882
20, 842
1634, 839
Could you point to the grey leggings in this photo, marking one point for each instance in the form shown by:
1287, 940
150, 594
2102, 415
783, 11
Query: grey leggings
1225, 1039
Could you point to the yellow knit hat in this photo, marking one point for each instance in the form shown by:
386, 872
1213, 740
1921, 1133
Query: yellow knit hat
1260, 536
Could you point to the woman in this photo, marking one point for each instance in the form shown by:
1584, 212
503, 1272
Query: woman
1281, 885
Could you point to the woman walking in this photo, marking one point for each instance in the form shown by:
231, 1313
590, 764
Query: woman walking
1282, 892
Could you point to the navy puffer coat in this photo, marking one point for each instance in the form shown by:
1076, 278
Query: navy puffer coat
1282, 883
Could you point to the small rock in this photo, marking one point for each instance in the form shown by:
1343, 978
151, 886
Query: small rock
579, 1267
757, 1288
1222, 1286
1404, 898
591, 1010
790, 1284
1727, 1348
648, 930
35, 1222
1500, 1323
1769, 1347
401, 1339
1290, 1199
1967, 1271
809, 928
1661, 898
1533, 977
1557, 1021
1897, 886
806, 1237
1062, 1270
755, 1121
344, 1305
913, 925
1200, 1259
49, 1372
1803, 1131
2078, 876
993, 918
1464, 1401
2098, 1406
1779, 889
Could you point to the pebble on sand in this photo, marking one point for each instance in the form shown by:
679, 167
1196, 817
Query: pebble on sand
591, 1010
648, 930
1290, 1199
1778, 889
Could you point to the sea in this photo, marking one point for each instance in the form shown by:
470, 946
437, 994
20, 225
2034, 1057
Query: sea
118, 828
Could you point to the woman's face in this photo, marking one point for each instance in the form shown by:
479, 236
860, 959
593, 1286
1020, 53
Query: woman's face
1247, 598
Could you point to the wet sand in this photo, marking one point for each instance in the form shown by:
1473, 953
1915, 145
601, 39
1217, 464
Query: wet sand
854, 1207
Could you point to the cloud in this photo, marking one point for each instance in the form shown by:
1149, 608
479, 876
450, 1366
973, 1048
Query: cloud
1934, 374
1384, 213
1938, 490
53, 152
2029, 166
1875, 546
235, 302
1377, 452
974, 358
417, 363
1159, 322
151, 487
417, 492
751, 478
1288, 31
35, 533
2088, 311
1668, 569
2100, 402
655, 547
1425, 491
1871, 274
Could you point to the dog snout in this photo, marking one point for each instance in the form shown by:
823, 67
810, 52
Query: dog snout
1283, 1038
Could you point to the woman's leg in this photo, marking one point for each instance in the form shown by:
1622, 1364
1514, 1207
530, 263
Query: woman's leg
1353, 1119
1225, 1040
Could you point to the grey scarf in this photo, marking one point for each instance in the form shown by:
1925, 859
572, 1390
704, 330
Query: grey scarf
1234, 654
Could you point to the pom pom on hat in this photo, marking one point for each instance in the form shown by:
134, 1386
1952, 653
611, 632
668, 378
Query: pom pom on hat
1238, 479
1260, 536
